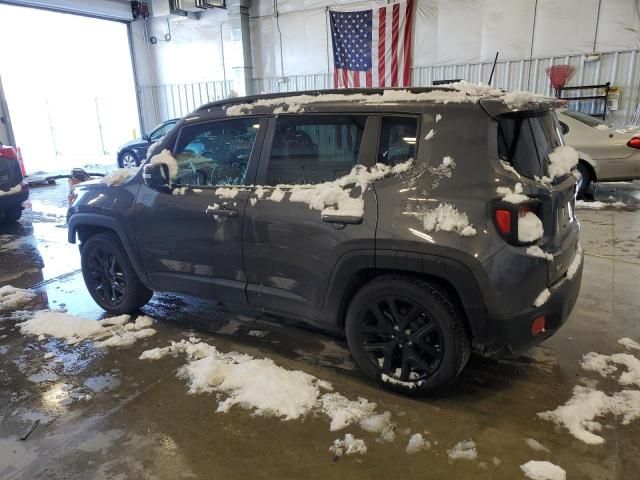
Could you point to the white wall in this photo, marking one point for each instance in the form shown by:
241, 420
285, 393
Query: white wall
450, 31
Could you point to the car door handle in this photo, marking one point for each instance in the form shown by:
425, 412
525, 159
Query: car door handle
222, 212
342, 219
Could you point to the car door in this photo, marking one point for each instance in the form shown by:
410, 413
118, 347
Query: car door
291, 248
190, 238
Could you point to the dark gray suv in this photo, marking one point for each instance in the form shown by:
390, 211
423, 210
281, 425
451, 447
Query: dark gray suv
420, 223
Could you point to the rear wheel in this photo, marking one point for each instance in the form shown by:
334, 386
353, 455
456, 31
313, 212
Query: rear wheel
407, 335
584, 179
110, 277
12, 214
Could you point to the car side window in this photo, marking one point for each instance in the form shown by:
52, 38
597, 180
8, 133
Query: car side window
314, 149
215, 153
397, 140
161, 132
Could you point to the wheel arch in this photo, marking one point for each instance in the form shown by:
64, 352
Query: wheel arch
448, 276
84, 225
590, 163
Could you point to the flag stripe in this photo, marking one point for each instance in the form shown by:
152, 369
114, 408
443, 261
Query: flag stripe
406, 67
394, 44
382, 16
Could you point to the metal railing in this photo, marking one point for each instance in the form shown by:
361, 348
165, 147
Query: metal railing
621, 68
176, 100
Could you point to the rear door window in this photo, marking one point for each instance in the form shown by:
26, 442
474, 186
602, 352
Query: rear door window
397, 140
314, 149
525, 140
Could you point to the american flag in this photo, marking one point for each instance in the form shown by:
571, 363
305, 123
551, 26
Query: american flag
372, 48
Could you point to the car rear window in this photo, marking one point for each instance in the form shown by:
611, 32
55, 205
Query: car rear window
525, 140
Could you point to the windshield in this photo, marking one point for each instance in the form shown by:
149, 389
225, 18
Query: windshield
525, 140
584, 118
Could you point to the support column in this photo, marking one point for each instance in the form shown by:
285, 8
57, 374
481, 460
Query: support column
241, 38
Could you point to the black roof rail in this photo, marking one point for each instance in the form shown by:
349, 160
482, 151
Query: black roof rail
341, 91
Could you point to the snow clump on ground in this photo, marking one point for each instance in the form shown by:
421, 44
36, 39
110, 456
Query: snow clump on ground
111, 332
348, 446
465, 450
12, 297
417, 443
542, 470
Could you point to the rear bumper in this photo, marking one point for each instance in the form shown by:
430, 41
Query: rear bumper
511, 336
9, 201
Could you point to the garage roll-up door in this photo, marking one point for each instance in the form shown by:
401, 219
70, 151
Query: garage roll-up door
110, 9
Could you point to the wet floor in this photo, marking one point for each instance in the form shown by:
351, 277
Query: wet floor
107, 414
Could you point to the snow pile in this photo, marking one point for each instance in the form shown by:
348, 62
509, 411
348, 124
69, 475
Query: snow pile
110, 332
443, 170
258, 384
562, 160
227, 192
578, 414
49, 210
165, 157
344, 412
348, 446
508, 167
456, 93
598, 205
530, 227
536, 251
514, 196
536, 445
330, 198
12, 297
119, 176
628, 343
542, 298
575, 263
417, 443
542, 470
519, 98
606, 365
447, 218
602, 127
465, 450
438, 117
13, 190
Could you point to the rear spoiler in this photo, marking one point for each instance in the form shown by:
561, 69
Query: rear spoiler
496, 107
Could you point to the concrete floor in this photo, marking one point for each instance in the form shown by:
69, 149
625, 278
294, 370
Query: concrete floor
141, 422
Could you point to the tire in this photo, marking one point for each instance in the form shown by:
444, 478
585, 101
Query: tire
431, 351
128, 159
584, 179
12, 215
109, 275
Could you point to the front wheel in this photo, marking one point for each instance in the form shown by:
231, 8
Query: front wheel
407, 335
128, 160
110, 277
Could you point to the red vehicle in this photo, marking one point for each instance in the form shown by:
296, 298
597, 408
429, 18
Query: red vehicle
13, 189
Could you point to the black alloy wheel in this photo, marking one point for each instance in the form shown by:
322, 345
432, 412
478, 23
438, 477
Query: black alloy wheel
401, 339
106, 276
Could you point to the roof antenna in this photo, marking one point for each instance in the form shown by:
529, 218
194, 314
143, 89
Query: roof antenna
495, 60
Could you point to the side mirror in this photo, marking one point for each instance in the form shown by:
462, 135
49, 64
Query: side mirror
156, 176
564, 127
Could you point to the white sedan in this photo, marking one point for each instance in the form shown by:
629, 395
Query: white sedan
605, 154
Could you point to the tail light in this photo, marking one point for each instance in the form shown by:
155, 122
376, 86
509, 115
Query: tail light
538, 326
634, 142
506, 214
8, 152
20, 161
